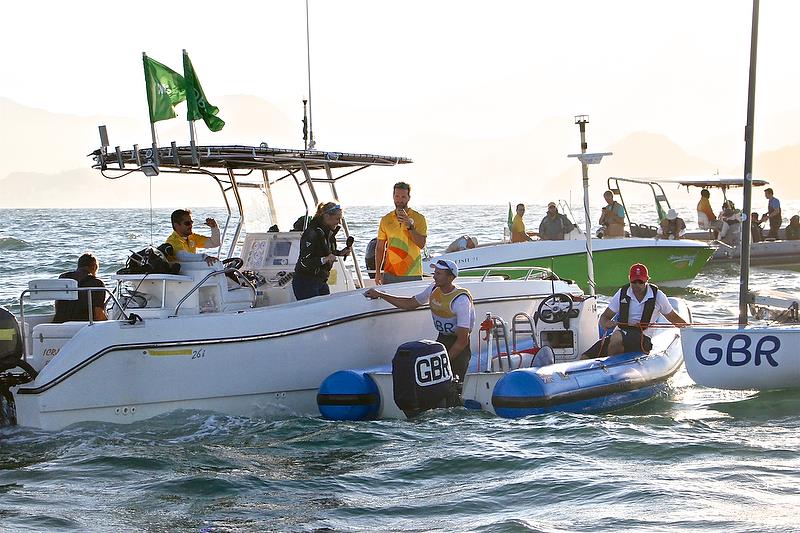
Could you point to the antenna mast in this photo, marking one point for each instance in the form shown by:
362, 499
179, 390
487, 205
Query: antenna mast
311, 143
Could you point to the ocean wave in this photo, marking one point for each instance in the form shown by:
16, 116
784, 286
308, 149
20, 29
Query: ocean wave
10, 243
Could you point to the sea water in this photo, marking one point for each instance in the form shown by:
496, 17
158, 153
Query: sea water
693, 459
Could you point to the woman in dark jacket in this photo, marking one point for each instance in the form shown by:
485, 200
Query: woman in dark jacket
318, 252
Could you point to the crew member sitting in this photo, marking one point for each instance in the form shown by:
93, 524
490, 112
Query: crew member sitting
636, 307
85, 275
756, 231
185, 243
793, 229
672, 227
465, 242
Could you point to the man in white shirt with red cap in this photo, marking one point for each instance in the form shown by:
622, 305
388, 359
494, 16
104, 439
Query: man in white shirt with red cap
636, 306
451, 309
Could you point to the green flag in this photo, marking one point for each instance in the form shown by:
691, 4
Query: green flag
198, 106
165, 89
510, 217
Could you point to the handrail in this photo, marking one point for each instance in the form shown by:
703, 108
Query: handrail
61, 290
210, 275
529, 271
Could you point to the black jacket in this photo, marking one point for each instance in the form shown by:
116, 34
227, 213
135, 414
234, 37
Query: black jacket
316, 243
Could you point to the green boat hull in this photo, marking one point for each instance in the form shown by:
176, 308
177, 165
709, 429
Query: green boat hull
668, 267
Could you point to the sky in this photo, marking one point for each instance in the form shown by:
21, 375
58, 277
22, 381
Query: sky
384, 73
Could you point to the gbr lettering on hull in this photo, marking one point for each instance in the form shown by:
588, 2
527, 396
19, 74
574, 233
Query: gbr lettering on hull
739, 350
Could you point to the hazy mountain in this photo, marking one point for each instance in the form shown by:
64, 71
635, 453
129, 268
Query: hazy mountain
43, 158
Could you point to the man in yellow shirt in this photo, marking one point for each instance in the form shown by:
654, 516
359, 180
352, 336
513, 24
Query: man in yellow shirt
185, 243
518, 233
402, 235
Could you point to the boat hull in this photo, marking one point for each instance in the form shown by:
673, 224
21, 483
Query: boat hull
670, 263
267, 361
749, 358
588, 386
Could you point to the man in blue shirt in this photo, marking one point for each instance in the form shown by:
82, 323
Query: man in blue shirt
773, 214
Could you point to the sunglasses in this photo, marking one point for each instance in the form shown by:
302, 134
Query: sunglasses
637, 282
187, 222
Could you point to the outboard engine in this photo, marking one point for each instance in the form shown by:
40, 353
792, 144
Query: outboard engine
369, 257
11, 358
422, 377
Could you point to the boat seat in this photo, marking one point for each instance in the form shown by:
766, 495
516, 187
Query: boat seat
643, 230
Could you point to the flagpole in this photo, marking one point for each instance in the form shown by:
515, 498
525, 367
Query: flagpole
195, 160
152, 124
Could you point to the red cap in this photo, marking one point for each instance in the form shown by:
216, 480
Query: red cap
639, 272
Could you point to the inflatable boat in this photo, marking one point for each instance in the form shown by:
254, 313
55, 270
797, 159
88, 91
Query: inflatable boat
540, 371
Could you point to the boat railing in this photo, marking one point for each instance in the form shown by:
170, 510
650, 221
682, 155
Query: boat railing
208, 276
57, 289
505, 272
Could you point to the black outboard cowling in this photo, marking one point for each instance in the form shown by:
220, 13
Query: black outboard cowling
11, 358
422, 376
369, 257
10, 341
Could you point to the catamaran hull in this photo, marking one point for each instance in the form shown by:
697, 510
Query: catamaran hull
268, 361
671, 263
743, 358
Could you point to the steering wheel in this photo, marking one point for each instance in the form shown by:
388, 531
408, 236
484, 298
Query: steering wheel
555, 308
233, 262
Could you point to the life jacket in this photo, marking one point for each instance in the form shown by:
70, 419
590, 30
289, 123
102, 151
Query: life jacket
444, 318
625, 306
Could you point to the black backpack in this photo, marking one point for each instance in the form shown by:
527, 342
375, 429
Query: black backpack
151, 261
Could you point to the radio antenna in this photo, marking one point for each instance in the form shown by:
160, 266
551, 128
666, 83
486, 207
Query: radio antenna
311, 142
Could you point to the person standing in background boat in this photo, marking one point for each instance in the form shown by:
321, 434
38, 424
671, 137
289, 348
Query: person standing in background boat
612, 217
705, 215
452, 311
672, 227
636, 307
773, 214
318, 252
518, 233
86, 276
554, 225
402, 235
185, 243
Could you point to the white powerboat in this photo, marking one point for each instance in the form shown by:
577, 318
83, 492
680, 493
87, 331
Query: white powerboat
746, 357
195, 339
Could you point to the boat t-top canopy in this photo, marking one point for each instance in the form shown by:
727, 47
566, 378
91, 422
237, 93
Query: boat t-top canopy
707, 182
239, 169
202, 159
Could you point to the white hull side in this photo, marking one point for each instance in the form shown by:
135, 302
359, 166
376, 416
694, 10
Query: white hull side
743, 358
268, 361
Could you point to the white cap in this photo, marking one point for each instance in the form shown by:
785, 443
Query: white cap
445, 264
672, 214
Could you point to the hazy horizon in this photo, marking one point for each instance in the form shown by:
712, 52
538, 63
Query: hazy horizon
481, 96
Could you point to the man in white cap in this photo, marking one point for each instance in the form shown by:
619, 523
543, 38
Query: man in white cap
554, 225
451, 309
672, 227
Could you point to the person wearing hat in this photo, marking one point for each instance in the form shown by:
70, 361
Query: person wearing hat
452, 311
672, 227
630, 313
612, 217
318, 252
554, 225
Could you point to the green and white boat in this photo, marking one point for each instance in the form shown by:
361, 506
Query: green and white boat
671, 263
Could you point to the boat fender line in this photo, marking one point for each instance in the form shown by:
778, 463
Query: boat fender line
349, 395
